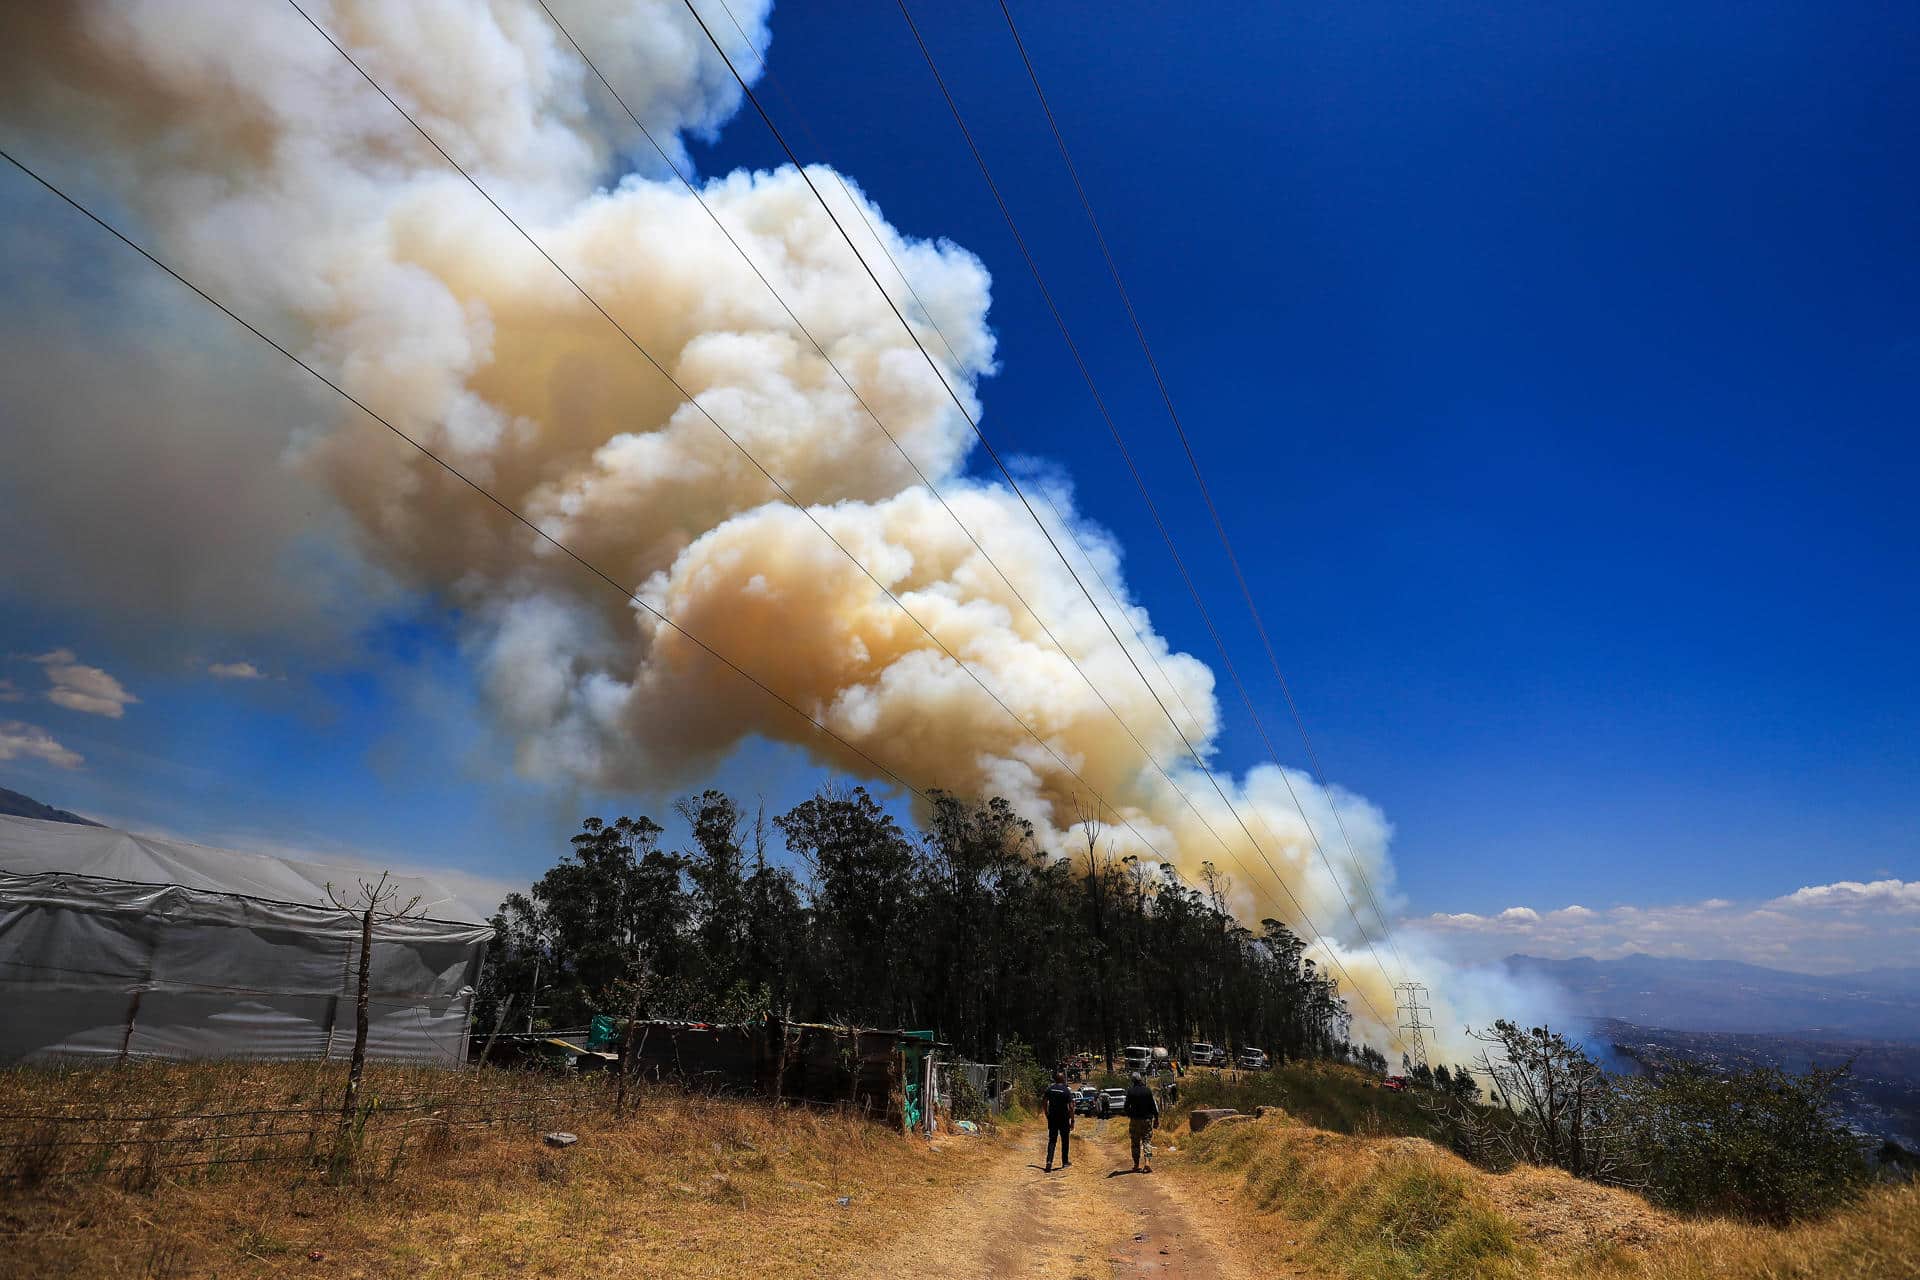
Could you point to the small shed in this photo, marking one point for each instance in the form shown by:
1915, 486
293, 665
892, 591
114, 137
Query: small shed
116, 945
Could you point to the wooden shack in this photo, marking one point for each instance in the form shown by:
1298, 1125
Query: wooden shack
876, 1073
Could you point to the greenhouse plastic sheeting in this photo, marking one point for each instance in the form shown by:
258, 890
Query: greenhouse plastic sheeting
93, 966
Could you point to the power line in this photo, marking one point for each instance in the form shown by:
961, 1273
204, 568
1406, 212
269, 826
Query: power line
525, 235
891, 439
1219, 525
1139, 482
731, 439
690, 399
928, 483
457, 474
783, 490
934, 323
994, 455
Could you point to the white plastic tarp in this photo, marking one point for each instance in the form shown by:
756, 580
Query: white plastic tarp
94, 963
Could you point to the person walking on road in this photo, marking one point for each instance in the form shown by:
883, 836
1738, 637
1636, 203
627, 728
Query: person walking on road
1058, 1101
1143, 1113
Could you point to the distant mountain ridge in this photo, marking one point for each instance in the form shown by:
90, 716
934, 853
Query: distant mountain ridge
1729, 996
15, 805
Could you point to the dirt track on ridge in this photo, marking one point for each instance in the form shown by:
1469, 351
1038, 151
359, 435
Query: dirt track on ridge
1094, 1220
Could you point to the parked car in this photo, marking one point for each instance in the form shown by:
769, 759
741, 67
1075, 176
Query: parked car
1397, 1083
1253, 1060
1086, 1100
1113, 1102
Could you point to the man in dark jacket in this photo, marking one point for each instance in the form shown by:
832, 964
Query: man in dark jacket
1143, 1112
1058, 1101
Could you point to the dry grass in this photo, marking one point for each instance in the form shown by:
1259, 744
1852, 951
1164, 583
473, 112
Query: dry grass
698, 1187
682, 1186
1373, 1208
1876, 1238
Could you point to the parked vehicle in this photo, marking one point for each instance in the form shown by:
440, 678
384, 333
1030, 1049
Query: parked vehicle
1253, 1060
1113, 1102
1138, 1057
1200, 1054
1086, 1100
1397, 1083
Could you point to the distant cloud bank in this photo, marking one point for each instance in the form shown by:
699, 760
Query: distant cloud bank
1845, 925
235, 671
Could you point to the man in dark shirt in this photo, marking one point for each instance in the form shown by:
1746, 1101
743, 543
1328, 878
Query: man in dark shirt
1143, 1112
1058, 1101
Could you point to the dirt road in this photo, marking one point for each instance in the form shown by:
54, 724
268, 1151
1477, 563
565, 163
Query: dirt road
1092, 1221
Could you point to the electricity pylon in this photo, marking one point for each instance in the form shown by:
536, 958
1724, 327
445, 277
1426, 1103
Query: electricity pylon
1414, 1012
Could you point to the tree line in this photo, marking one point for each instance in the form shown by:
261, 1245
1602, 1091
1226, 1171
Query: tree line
966, 926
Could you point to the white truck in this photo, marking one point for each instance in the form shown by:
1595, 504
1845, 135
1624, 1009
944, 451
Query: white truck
1145, 1058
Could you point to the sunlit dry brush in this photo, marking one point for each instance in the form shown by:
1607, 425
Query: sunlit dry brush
1878, 1236
682, 1185
1396, 1208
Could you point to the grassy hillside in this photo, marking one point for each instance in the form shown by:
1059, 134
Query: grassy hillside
1340, 1183
1326, 1095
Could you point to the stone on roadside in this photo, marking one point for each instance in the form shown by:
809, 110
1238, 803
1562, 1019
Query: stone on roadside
561, 1139
1205, 1116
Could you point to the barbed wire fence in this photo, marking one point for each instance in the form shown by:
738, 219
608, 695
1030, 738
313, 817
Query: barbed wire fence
125, 1139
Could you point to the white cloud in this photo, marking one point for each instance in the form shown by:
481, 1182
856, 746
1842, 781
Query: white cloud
78, 687
22, 741
1845, 925
235, 671
9, 692
1902, 895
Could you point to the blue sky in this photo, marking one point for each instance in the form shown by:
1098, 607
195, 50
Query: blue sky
1554, 369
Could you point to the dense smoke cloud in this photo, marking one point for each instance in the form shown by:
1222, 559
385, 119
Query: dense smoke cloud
253, 156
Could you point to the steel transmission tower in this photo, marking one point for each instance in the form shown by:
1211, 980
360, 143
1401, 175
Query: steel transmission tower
1410, 1004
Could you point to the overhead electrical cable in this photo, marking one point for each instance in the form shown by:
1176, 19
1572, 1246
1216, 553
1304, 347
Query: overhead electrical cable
782, 489
805, 511
934, 323
1139, 481
456, 473
931, 488
1000, 464
1219, 525
695, 403
1014, 484
471, 181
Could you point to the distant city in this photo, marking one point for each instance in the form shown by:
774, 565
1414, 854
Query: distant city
1644, 1008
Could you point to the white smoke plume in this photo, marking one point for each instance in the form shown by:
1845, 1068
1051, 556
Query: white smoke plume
255, 158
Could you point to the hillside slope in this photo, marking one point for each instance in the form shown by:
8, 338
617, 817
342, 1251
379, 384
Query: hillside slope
1374, 1203
15, 805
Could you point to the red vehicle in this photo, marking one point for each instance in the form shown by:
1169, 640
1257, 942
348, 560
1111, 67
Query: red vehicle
1397, 1083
